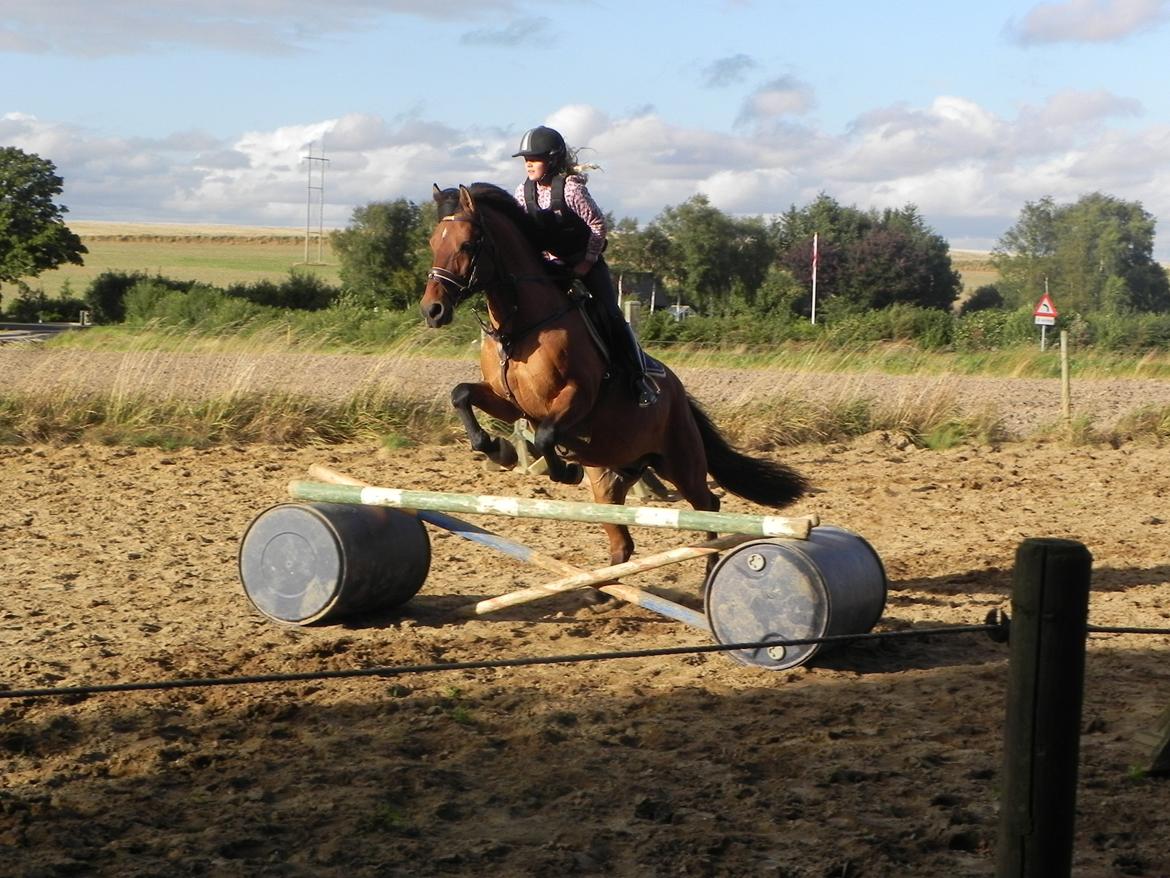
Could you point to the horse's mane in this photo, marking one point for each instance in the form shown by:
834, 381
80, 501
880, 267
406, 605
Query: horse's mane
500, 200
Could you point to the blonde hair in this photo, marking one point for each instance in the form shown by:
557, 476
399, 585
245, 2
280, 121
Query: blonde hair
572, 163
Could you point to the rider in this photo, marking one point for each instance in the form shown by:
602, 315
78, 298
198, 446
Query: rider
554, 194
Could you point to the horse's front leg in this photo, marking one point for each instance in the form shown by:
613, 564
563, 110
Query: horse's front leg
559, 469
481, 396
611, 486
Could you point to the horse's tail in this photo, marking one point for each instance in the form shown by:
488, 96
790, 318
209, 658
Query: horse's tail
760, 481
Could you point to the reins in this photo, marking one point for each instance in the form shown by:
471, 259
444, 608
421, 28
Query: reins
461, 288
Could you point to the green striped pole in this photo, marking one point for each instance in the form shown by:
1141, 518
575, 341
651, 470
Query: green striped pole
558, 510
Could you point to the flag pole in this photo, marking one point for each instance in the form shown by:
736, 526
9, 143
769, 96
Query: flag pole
814, 278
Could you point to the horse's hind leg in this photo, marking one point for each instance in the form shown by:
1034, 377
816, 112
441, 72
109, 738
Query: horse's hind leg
463, 397
687, 472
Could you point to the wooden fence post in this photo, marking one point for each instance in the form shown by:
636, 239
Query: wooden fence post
1050, 607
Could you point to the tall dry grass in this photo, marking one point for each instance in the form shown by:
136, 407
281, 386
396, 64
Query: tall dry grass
192, 391
169, 389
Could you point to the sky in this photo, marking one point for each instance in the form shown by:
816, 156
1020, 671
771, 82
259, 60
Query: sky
205, 111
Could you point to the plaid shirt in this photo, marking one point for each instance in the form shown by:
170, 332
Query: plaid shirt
578, 200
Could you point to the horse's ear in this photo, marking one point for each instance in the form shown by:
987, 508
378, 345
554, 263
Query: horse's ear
436, 193
465, 200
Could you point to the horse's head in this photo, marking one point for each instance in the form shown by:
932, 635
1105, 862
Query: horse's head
455, 245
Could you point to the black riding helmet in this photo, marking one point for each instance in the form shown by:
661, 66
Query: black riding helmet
542, 143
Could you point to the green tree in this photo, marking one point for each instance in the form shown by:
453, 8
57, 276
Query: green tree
866, 259
384, 254
712, 254
632, 249
1095, 254
33, 234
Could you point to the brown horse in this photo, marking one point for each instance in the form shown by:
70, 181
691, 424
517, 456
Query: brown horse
540, 361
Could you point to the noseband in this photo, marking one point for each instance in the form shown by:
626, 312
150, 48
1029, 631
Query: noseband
459, 288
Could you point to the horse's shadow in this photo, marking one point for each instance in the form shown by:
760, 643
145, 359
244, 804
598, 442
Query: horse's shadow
999, 579
982, 590
863, 656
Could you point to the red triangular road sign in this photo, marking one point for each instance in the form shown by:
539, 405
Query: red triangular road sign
1045, 308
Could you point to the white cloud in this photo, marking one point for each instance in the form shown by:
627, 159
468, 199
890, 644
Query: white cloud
903, 140
1079, 107
1088, 21
785, 96
968, 170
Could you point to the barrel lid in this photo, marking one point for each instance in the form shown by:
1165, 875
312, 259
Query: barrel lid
291, 563
767, 590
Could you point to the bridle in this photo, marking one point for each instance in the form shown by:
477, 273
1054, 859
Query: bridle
459, 288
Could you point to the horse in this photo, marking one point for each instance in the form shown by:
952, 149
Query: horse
540, 360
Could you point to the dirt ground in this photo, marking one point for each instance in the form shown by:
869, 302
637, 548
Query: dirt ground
880, 759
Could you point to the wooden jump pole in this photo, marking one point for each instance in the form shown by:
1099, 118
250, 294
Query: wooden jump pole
628, 593
603, 574
558, 510
1050, 608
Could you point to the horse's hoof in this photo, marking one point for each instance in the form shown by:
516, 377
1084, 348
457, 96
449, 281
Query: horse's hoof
506, 455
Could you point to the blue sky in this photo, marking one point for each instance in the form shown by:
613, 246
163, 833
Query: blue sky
201, 111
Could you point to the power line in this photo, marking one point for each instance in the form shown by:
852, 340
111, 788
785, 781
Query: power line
319, 169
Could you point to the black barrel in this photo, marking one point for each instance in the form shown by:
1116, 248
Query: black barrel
787, 589
310, 563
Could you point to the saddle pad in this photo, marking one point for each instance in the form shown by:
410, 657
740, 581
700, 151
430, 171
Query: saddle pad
653, 366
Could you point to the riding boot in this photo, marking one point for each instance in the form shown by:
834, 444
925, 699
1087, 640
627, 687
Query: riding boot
645, 387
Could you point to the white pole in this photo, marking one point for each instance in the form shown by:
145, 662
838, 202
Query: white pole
814, 278
1065, 387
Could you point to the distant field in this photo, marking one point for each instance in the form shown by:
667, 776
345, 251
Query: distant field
975, 268
214, 254
223, 255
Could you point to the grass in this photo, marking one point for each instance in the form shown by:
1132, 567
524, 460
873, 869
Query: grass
220, 256
224, 255
130, 415
232, 404
147, 395
930, 419
895, 358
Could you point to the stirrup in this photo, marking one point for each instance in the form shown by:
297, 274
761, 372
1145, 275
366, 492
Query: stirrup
648, 391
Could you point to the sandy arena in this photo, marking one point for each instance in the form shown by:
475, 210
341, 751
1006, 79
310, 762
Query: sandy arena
880, 759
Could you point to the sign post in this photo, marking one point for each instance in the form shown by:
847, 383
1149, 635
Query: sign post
1045, 315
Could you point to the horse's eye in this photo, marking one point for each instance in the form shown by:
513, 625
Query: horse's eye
467, 246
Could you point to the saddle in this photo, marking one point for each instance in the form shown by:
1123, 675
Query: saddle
597, 321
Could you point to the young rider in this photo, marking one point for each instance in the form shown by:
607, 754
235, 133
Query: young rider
554, 194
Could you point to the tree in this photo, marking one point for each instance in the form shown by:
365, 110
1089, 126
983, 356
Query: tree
867, 259
33, 235
1095, 255
383, 254
713, 254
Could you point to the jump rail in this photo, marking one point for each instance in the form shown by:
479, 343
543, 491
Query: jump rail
573, 577
559, 510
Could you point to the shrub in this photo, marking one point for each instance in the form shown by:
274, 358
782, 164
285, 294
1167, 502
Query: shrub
106, 294
985, 297
35, 307
1129, 332
930, 327
301, 290
992, 329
